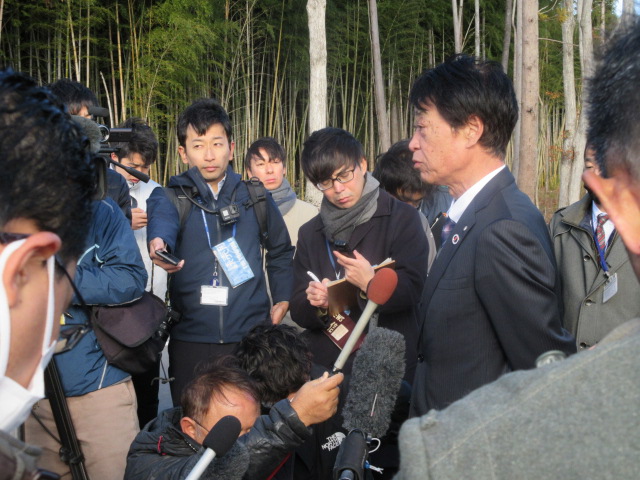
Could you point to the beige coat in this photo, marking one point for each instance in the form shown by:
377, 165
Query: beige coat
583, 281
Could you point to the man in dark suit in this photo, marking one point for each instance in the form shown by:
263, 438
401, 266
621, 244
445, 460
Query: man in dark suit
490, 303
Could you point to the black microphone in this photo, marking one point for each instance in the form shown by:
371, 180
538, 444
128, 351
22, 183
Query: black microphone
379, 291
375, 382
143, 177
218, 441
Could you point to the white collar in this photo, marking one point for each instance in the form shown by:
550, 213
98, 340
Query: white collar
220, 185
459, 205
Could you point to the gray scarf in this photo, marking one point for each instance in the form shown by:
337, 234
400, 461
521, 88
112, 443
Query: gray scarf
339, 223
284, 196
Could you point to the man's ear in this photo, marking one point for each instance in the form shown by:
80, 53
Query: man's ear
188, 426
183, 154
473, 130
114, 157
364, 164
38, 247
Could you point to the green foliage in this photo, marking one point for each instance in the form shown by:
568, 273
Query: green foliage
151, 58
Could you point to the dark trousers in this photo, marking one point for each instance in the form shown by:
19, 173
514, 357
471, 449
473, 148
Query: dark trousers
147, 385
188, 359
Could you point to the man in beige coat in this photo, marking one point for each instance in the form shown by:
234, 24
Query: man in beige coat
598, 293
265, 160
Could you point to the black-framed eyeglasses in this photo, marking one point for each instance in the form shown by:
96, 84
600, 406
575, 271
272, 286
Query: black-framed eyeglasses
72, 334
343, 177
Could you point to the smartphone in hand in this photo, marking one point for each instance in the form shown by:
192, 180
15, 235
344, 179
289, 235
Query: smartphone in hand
167, 257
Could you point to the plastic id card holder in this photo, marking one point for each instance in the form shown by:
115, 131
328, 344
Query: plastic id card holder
214, 295
232, 261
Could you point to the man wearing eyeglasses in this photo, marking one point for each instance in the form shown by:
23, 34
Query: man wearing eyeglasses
46, 187
359, 226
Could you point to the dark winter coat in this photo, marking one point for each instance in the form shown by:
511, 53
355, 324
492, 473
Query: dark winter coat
394, 231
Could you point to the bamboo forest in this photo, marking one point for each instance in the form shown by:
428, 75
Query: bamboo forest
151, 58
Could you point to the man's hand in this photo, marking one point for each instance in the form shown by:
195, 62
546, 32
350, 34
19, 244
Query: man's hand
317, 294
158, 244
138, 218
357, 271
317, 400
278, 311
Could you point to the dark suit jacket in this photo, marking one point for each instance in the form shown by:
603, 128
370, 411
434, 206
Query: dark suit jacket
491, 301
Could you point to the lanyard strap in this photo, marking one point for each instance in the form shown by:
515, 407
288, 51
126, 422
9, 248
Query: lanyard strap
214, 279
331, 259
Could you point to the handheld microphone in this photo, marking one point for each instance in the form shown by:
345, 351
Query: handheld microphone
375, 381
218, 441
379, 291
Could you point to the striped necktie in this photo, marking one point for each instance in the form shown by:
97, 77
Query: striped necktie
602, 240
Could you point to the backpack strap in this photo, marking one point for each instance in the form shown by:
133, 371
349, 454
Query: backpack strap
258, 200
182, 200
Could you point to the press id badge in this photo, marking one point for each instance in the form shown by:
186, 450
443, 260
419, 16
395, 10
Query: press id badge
610, 288
214, 295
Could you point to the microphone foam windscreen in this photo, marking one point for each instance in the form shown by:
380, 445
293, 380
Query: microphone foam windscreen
223, 435
375, 381
91, 130
233, 465
382, 286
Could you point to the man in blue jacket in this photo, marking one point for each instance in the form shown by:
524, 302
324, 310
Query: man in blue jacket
217, 309
101, 397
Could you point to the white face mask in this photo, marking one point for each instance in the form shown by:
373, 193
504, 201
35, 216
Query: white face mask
17, 401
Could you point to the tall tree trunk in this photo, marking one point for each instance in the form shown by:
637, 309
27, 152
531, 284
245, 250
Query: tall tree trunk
506, 43
586, 63
457, 24
528, 171
316, 11
477, 23
570, 115
378, 80
627, 11
517, 83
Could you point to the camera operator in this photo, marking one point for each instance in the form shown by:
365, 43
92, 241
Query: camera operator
139, 153
82, 102
46, 188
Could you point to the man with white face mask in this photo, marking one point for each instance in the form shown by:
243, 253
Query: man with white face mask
46, 187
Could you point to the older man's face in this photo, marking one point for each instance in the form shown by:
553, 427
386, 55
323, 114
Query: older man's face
437, 148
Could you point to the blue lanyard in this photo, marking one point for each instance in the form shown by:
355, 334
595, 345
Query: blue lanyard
331, 259
214, 279
206, 229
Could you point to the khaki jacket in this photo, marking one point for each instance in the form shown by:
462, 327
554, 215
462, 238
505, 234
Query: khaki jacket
583, 281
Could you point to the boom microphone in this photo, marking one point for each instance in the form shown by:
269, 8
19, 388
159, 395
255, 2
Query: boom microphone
379, 291
218, 441
375, 382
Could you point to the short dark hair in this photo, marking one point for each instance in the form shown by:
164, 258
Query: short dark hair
47, 170
73, 94
277, 358
614, 102
463, 86
327, 150
395, 172
223, 373
201, 115
269, 145
143, 141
